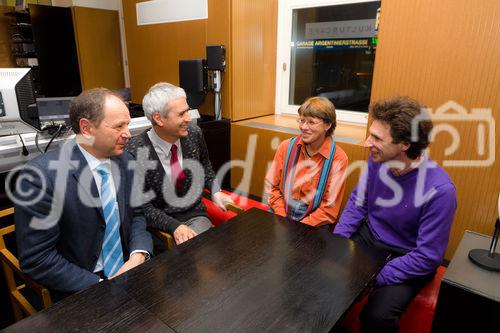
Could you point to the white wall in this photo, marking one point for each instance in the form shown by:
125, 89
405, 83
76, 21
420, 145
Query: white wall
104, 4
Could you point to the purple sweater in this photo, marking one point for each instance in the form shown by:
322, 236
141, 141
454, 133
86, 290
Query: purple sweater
413, 212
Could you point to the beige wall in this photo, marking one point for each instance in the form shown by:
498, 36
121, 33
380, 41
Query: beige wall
246, 28
154, 50
254, 28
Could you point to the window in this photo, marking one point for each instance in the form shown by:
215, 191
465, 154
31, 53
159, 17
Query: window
326, 49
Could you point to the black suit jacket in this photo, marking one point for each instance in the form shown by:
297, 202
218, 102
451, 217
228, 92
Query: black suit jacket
61, 251
166, 211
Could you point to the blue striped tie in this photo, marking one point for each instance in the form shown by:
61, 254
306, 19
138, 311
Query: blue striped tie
112, 255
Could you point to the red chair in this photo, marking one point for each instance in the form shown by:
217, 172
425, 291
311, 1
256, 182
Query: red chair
416, 319
215, 214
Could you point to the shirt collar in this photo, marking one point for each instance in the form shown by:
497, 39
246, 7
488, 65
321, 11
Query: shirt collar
93, 161
414, 166
164, 145
325, 147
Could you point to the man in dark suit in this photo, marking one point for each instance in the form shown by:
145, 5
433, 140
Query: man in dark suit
181, 167
74, 222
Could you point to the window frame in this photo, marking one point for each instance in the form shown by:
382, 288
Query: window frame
283, 55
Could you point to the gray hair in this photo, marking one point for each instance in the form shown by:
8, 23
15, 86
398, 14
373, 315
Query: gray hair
158, 97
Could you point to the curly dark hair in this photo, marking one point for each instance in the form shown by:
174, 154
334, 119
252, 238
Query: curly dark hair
398, 113
90, 105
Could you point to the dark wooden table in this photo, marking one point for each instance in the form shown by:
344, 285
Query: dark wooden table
256, 272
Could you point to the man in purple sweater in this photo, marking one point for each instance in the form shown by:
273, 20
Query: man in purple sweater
403, 204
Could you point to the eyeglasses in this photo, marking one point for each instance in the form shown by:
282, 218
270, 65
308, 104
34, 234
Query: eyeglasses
308, 122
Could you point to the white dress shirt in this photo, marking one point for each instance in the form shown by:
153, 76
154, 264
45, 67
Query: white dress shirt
162, 149
93, 163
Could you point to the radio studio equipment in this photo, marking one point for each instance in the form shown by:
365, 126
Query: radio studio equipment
199, 76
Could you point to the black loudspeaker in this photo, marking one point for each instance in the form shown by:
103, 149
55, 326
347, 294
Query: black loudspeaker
216, 57
192, 75
193, 79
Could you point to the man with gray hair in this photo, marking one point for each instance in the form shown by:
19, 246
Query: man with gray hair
178, 148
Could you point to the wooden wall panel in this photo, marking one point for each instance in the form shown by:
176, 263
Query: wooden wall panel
253, 28
154, 50
437, 51
246, 28
218, 32
259, 162
97, 34
6, 60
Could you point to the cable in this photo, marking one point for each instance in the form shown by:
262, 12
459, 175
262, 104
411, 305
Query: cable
220, 92
36, 143
54, 136
25, 150
220, 104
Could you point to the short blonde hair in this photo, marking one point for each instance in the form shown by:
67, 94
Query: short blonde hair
321, 108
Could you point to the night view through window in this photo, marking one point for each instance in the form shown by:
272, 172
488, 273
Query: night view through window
333, 54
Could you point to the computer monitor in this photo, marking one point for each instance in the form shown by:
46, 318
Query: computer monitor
16, 94
53, 111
